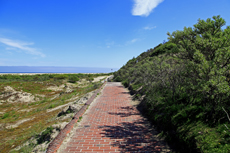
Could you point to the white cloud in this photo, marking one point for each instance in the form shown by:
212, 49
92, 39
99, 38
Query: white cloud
132, 41
149, 28
10, 48
21, 45
144, 7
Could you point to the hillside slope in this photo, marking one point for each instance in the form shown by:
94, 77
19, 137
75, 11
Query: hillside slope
184, 86
32, 107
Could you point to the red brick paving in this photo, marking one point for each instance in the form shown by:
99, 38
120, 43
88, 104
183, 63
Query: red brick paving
58, 140
113, 125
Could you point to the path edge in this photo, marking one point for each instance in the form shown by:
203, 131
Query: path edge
57, 141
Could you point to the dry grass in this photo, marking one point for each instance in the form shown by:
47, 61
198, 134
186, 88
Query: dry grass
40, 119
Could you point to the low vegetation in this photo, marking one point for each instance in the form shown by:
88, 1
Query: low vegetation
28, 102
184, 86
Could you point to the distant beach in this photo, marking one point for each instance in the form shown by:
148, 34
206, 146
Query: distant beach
49, 69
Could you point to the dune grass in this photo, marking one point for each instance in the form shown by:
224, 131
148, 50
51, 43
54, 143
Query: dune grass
35, 113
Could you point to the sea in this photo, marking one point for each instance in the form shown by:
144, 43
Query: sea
54, 69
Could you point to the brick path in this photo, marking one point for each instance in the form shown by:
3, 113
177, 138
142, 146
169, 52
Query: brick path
112, 124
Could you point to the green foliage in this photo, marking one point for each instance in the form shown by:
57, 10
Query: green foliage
45, 135
125, 83
73, 78
89, 78
51, 106
168, 47
80, 118
118, 79
48, 77
206, 52
186, 83
36, 85
5, 115
25, 78
60, 77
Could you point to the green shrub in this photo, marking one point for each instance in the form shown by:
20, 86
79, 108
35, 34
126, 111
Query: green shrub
51, 106
80, 118
5, 115
45, 136
118, 79
125, 83
186, 83
60, 77
73, 78
90, 79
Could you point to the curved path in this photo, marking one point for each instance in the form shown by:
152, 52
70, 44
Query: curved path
112, 124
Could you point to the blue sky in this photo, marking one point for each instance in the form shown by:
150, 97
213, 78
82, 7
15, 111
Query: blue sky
93, 33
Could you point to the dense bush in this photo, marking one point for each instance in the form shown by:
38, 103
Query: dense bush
45, 135
186, 85
89, 78
73, 78
60, 76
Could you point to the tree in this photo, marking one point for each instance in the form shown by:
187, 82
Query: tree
205, 49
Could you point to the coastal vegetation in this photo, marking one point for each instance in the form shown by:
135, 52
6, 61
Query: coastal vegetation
30, 105
184, 86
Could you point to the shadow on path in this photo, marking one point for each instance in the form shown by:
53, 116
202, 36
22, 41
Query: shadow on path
134, 137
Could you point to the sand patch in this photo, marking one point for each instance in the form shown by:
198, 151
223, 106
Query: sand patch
12, 96
18, 123
99, 78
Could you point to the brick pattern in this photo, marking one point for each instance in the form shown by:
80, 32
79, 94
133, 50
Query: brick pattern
56, 143
113, 125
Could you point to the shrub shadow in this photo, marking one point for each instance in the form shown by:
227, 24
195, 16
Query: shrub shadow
135, 137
